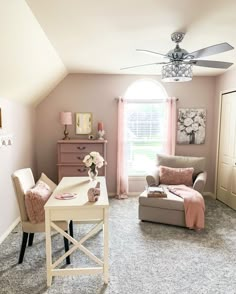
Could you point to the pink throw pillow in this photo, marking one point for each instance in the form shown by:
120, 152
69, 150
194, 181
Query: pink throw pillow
35, 200
176, 176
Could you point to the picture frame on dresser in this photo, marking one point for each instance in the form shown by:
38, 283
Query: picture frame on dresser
83, 123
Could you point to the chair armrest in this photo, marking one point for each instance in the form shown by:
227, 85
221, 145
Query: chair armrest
153, 177
200, 182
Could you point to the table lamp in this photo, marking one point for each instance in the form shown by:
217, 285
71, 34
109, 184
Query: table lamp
66, 119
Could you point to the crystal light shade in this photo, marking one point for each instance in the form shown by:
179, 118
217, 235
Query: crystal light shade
177, 72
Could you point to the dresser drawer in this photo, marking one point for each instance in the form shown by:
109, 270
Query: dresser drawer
72, 157
81, 147
73, 171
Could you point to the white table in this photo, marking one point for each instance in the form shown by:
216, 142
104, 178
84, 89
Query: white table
77, 209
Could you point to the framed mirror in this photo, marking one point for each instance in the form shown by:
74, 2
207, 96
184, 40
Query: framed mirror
83, 123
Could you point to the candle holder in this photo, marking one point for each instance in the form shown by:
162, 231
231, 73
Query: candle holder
101, 134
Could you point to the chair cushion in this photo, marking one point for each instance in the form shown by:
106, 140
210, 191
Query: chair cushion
35, 199
176, 176
48, 181
172, 202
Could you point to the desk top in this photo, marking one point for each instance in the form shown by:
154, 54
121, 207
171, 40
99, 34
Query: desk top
80, 186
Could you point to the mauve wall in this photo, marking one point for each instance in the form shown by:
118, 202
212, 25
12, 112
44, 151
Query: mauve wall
96, 93
17, 120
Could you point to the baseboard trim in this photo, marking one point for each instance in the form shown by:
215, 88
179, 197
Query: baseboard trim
8, 231
212, 195
111, 195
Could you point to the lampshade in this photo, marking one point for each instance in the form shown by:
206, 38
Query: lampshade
177, 72
66, 118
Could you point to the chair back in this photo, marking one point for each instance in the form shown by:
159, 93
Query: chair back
198, 163
23, 180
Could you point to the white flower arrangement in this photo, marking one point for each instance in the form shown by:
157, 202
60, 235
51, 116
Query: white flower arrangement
191, 124
93, 160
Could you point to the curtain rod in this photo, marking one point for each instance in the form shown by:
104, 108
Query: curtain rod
148, 100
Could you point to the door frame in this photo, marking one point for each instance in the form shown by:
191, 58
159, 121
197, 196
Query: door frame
218, 135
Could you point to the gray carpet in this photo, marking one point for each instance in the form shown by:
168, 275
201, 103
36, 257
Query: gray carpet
144, 257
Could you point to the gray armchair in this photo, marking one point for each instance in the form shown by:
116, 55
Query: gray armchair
198, 163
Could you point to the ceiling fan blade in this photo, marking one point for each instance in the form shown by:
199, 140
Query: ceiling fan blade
212, 63
143, 65
151, 52
211, 50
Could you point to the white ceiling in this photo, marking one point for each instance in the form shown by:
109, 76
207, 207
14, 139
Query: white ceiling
101, 36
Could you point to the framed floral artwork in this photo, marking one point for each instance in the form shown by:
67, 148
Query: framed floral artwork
191, 126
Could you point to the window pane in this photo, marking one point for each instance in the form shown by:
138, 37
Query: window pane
145, 135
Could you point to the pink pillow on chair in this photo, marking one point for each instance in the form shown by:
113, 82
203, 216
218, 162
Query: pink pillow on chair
35, 200
176, 176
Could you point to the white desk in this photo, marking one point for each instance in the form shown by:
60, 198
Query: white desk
77, 209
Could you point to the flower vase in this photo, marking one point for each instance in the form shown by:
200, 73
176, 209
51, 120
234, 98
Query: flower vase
93, 174
192, 138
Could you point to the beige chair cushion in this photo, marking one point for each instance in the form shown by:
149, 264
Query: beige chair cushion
172, 202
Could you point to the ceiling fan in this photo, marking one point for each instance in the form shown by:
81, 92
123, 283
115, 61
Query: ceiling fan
179, 63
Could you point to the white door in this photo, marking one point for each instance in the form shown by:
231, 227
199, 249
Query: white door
226, 178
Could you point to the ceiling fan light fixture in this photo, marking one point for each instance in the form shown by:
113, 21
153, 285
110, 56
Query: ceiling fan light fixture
177, 72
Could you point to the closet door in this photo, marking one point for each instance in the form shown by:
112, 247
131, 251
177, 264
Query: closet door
226, 178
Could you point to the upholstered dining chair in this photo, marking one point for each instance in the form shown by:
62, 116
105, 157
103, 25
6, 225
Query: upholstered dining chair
23, 180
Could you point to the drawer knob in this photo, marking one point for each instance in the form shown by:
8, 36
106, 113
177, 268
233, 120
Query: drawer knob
82, 170
80, 158
81, 148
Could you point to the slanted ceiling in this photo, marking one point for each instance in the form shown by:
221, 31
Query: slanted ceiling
30, 66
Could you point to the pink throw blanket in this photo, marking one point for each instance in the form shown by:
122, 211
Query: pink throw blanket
194, 206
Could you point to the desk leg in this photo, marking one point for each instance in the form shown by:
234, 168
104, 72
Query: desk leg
106, 246
48, 248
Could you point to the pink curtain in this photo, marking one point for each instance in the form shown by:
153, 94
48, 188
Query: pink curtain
122, 176
171, 126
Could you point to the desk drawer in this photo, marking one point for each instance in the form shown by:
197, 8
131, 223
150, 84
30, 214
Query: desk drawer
81, 147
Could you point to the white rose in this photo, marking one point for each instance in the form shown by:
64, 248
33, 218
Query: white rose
188, 121
94, 154
191, 114
195, 126
189, 130
86, 158
99, 161
197, 118
88, 162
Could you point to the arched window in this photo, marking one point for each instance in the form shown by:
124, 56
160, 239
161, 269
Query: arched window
145, 121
